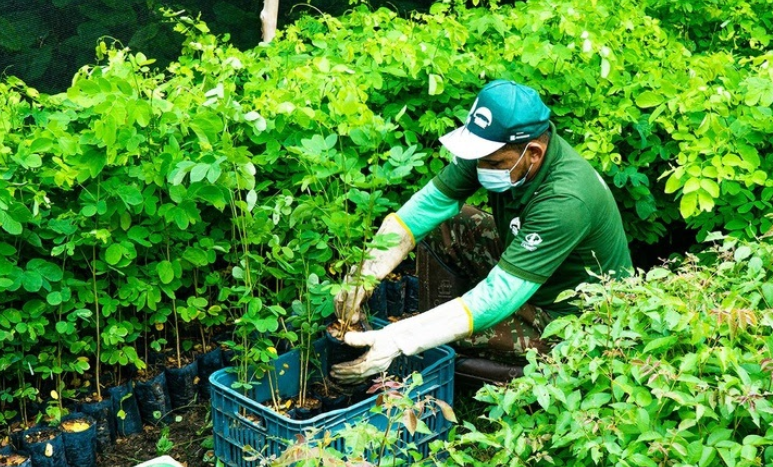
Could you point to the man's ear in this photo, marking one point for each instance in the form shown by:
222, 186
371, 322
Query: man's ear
536, 150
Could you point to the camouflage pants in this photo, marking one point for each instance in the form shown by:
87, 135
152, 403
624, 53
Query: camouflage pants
453, 259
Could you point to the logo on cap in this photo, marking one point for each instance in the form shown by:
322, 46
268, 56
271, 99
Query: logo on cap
481, 116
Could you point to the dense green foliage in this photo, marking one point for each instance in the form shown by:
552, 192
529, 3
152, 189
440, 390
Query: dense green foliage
671, 368
144, 207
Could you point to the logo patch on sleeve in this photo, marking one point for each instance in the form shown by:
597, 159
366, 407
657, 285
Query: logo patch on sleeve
515, 226
532, 241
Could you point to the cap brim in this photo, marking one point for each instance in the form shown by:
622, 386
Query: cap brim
465, 145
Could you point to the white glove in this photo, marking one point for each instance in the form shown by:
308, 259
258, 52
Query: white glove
378, 263
443, 324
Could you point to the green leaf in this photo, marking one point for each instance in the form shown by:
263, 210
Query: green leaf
198, 172
196, 256
750, 155
756, 440
705, 201
692, 184
165, 272
742, 253
728, 456
207, 127
142, 113
9, 224
731, 160
648, 99
114, 254
645, 208
657, 273
89, 210
688, 205
435, 85
7, 250
737, 224
543, 396
767, 293
32, 161
719, 434
642, 397
9, 37
554, 327
32, 281
43, 145
139, 235
323, 64
130, 195
181, 218
566, 295
659, 343
48, 270
54, 298
213, 195
641, 460
595, 401
711, 187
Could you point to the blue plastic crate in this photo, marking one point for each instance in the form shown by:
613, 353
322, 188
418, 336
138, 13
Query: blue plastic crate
243, 426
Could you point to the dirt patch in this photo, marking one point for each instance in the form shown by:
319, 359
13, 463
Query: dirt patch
187, 440
12, 460
75, 426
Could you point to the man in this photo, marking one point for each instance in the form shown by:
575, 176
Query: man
555, 219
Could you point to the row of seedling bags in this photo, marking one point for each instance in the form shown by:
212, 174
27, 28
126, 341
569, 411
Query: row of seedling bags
92, 426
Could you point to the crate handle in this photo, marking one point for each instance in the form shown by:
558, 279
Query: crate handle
259, 424
427, 390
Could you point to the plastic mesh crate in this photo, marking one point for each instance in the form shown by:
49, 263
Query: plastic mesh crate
244, 427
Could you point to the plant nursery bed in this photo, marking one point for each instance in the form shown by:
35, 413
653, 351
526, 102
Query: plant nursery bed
247, 432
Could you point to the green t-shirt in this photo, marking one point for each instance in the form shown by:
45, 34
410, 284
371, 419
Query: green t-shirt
553, 228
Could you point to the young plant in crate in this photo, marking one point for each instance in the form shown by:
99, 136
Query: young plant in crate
255, 351
358, 231
254, 319
309, 314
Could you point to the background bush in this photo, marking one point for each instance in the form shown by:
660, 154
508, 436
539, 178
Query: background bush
671, 368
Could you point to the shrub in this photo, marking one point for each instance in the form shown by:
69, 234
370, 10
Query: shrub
671, 367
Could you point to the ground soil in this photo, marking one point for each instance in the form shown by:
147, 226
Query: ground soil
187, 435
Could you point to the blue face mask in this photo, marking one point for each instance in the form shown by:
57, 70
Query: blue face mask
498, 180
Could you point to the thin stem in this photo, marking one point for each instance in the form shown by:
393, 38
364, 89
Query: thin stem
386, 435
174, 312
98, 363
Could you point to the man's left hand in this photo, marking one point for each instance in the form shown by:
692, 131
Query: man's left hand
440, 325
383, 350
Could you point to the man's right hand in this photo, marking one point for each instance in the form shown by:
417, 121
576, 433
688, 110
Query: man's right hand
349, 300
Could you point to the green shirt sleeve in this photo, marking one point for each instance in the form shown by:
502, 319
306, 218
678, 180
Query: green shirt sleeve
458, 180
550, 232
497, 297
426, 209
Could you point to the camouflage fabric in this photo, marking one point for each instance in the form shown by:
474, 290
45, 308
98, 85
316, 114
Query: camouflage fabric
468, 246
